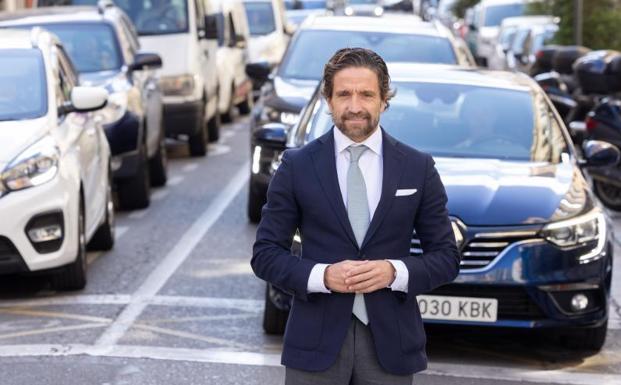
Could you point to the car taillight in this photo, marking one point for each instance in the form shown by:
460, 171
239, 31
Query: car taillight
591, 124
539, 54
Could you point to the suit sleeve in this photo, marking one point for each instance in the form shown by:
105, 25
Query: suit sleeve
439, 263
272, 259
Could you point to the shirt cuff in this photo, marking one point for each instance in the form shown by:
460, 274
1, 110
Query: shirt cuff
315, 279
402, 276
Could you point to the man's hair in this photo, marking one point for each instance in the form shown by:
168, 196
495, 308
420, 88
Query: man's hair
356, 57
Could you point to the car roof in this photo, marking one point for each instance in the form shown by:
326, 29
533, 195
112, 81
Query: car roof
58, 15
393, 23
24, 39
537, 19
452, 74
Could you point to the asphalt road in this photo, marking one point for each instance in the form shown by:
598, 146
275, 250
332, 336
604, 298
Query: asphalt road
176, 302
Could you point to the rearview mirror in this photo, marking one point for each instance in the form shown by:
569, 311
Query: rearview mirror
598, 153
85, 99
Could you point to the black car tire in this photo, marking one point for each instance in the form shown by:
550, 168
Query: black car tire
103, 239
246, 106
73, 276
213, 127
274, 319
255, 204
198, 142
135, 192
227, 117
609, 194
587, 339
158, 165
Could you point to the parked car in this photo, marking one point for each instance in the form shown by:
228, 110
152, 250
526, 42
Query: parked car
536, 246
232, 57
105, 49
185, 37
55, 177
299, 10
485, 25
393, 36
363, 8
528, 41
269, 33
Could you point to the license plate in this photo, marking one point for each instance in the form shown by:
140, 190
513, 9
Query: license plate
438, 307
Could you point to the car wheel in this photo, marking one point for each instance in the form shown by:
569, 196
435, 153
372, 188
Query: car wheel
158, 165
255, 205
103, 239
198, 141
274, 319
246, 106
587, 339
609, 194
135, 192
73, 276
214, 128
227, 117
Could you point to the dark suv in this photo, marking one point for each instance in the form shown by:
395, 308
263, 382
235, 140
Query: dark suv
104, 47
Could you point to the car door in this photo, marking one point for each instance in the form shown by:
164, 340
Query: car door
208, 58
85, 141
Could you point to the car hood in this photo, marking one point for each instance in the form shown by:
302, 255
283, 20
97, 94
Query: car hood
484, 192
16, 136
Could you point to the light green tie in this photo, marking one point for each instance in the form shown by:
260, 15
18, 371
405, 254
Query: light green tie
358, 213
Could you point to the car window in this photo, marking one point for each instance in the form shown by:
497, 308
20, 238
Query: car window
494, 14
311, 49
465, 121
159, 17
24, 92
260, 17
92, 47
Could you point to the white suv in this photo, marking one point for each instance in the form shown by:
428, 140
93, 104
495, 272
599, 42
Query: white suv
55, 194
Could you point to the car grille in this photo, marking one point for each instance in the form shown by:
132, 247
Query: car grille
481, 250
514, 302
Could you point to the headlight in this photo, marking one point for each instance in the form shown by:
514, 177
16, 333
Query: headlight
349, 11
35, 166
270, 114
378, 11
289, 118
182, 85
581, 231
114, 110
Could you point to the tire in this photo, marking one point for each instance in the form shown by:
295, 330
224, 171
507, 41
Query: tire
587, 339
158, 165
135, 192
255, 204
274, 319
213, 127
103, 239
198, 142
227, 117
246, 106
609, 194
73, 276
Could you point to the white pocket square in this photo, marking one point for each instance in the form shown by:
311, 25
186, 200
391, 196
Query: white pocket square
405, 192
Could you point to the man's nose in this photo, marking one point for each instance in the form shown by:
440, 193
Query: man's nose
354, 104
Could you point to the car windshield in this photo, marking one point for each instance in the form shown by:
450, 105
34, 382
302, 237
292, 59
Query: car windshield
311, 49
305, 4
260, 16
506, 37
361, 2
465, 121
92, 47
496, 13
22, 81
151, 17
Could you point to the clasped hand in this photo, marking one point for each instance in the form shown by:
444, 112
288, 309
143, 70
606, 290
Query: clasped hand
359, 276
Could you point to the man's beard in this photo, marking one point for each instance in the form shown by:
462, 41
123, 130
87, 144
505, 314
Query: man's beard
356, 132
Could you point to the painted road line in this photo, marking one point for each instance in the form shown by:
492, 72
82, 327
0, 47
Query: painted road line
138, 214
171, 262
567, 376
217, 149
192, 336
52, 314
227, 134
159, 195
248, 305
36, 332
189, 167
175, 180
105, 299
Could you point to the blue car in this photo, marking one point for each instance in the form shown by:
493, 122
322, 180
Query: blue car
536, 246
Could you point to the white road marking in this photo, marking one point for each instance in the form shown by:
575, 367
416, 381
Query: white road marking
159, 195
218, 149
189, 167
567, 376
175, 180
171, 262
227, 134
138, 214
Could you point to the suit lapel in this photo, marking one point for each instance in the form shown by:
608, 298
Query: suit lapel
393, 169
324, 160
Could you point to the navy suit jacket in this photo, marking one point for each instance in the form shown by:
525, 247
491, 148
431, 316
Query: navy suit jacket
304, 194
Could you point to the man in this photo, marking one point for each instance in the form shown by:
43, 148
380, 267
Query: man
356, 195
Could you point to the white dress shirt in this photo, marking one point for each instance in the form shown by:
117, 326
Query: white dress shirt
372, 166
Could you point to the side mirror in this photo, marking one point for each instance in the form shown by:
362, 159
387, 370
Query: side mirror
211, 27
289, 29
85, 99
598, 153
258, 71
146, 60
271, 135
